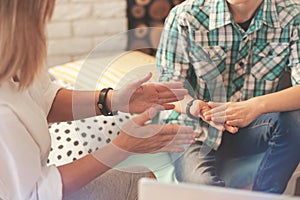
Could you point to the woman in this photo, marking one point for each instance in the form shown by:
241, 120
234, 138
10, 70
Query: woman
28, 101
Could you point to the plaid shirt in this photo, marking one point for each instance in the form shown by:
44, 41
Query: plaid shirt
202, 46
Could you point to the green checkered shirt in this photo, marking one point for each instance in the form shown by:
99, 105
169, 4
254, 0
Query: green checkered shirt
217, 60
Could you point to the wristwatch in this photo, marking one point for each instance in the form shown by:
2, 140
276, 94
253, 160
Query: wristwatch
188, 108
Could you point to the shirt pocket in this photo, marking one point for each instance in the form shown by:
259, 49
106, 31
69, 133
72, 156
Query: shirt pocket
213, 65
270, 60
209, 74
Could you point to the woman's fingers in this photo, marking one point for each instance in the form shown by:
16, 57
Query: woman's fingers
168, 106
170, 85
169, 89
169, 99
179, 135
147, 115
150, 138
174, 135
175, 94
176, 145
136, 84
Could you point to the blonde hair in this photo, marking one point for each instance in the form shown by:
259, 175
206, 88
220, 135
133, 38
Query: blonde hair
23, 48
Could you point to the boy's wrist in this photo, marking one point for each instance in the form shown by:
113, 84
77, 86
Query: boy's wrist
259, 105
188, 109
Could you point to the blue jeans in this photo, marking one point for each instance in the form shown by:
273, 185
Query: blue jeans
275, 136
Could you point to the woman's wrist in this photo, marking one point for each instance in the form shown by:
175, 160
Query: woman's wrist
111, 154
108, 100
104, 102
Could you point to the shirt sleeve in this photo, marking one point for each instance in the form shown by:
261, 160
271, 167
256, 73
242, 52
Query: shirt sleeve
172, 58
294, 61
44, 91
173, 62
22, 176
175, 56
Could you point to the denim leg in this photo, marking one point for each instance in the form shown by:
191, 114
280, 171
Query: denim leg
197, 165
275, 134
177, 162
282, 155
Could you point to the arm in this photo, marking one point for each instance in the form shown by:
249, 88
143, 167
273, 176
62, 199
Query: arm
135, 137
23, 174
180, 106
80, 172
198, 109
135, 97
62, 106
172, 57
285, 100
243, 113
174, 63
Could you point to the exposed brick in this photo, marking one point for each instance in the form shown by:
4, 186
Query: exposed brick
69, 11
98, 27
78, 26
59, 30
57, 60
112, 9
73, 46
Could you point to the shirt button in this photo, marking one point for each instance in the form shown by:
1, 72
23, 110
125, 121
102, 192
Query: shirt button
241, 64
270, 53
176, 73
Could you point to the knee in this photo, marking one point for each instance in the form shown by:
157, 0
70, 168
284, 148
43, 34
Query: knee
290, 119
290, 124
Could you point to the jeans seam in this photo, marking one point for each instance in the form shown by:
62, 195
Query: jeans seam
265, 160
262, 166
263, 124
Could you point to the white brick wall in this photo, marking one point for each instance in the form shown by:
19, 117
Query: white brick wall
78, 26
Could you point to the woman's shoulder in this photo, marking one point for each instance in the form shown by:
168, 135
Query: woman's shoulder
8, 91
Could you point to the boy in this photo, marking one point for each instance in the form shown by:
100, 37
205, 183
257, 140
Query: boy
233, 53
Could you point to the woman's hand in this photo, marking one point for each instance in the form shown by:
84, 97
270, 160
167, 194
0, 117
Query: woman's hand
138, 137
239, 114
138, 96
200, 107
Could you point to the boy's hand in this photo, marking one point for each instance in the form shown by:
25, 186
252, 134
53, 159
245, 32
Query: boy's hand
239, 114
200, 108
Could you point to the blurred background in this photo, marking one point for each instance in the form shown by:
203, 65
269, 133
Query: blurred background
78, 26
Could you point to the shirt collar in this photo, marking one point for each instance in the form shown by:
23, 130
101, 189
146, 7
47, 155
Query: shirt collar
219, 14
269, 14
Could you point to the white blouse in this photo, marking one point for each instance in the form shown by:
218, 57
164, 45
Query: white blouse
25, 142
